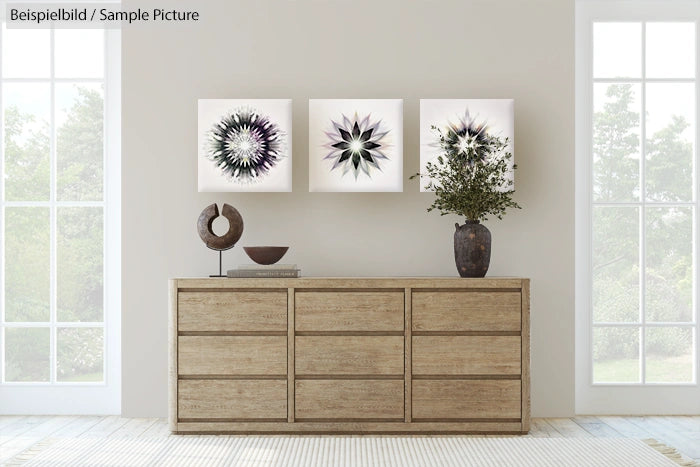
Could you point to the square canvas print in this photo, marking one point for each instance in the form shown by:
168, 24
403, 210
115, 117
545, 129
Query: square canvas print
356, 145
245, 145
465, 121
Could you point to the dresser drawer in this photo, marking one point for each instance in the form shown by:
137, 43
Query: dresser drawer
349, 399
232, 311
232, 355
466, 355
239, 399
466, 311
454, 399
349, 355
348, 311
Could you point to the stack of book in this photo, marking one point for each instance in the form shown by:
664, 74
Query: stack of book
259, 270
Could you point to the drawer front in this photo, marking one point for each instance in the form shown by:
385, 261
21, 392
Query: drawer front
232, 311
452, 399
466, 355
349, 399
349, 355
232, 355
348, 311
466, 311
239, 399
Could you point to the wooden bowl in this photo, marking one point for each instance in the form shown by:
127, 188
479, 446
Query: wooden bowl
265, 254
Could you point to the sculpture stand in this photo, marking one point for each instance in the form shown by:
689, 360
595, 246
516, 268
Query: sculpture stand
221, 271
221, 252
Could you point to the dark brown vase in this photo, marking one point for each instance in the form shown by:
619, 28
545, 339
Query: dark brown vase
472, 249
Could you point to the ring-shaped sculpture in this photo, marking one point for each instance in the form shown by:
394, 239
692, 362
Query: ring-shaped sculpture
220, 242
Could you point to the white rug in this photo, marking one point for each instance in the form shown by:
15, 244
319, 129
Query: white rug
324, 451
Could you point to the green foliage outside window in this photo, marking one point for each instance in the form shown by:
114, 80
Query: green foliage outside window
79, 240
616, 274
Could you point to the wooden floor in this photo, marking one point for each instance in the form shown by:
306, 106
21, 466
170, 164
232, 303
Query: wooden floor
17, 433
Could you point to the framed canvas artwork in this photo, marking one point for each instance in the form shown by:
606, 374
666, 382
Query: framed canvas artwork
245, 145
356, 145
464, 122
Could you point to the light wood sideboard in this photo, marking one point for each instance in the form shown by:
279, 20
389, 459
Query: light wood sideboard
350, 355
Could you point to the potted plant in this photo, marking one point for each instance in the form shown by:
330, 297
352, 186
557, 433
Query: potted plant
471, 178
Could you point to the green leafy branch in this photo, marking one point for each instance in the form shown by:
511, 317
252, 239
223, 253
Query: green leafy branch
472, 182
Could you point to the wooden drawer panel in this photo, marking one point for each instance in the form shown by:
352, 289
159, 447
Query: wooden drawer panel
349, 355
232, 355
454, 399
348, 311
239, 399
466, 355
232, 311
349, 399
466, 311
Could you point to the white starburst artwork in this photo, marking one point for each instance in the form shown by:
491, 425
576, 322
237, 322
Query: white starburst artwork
355, 145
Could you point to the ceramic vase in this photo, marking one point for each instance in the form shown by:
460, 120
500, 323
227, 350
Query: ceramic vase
472, 249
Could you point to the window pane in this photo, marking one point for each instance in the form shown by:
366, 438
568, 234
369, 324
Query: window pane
670, 50
79, 144
617, 50
616, 142
669, 355
26, 53
615, 264
616, 355
80, 354
27, 354
79, 264
79, 53
27, 264
670, 137
26, 110
669, 264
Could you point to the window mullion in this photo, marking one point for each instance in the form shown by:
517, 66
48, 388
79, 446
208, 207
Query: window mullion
54, 79
640, 80
642, 212
660, 204
66, 324
2, 220
590, 203
603, 324
696, 186
52, 214
106, 100
60, 204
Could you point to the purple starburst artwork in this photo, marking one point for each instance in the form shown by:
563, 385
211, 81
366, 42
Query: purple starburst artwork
245, 145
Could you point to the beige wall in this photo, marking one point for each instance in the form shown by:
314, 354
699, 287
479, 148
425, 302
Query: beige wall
347, 49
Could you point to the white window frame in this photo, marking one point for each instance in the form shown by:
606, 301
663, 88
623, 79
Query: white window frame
98, 398
623, 398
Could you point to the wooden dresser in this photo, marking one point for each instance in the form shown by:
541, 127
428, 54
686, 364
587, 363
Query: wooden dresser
350, 355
